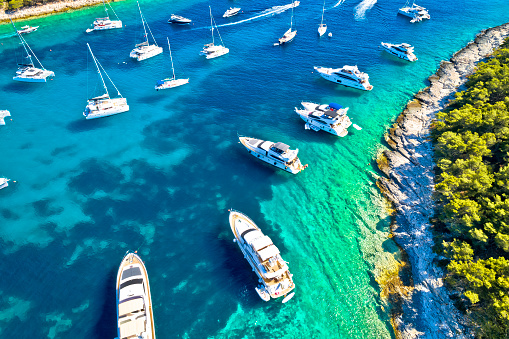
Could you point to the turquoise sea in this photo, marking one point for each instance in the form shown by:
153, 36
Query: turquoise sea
161, 177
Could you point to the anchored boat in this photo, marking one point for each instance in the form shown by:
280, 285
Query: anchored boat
145, 50
402, 51
211, 50
101, 24
330, 118
349, 76
264, 257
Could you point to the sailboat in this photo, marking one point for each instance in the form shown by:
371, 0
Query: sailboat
145, 50
173, 82
103, 105
105, 23
211, 50
289, 34
323, 27
27, 72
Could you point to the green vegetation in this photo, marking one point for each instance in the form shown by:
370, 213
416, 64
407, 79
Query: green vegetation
15, 4
471, 140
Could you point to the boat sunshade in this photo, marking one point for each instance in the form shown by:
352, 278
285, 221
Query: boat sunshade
130, 306
332, 114
131, 282
281, 147
131, 272
335, 106
268, 252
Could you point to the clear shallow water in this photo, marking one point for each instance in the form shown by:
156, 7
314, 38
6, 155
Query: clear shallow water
162, 176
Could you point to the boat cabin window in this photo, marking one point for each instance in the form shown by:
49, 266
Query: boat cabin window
131, 272
131, 282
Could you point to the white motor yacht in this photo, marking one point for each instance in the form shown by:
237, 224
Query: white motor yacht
145, 50
173, 81
231, 12
212, 50
3, 114
276, 154
402, 51
101, 24
264, 257
415, 12
330, 118
27, 29
103, 106
135, 319
349, 76
177, 19
4, 182
27, 72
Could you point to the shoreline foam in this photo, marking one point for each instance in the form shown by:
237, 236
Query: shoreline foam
427, 311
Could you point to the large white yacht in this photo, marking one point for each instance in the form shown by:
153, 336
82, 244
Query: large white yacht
231, 12
135, 319
4, 182
3, 114
347, 76
145, 50
264, 257
103, 105
27, 72
101, 24
330, 118
402, 51
276, 154
177, 19
211, 50
415, 12
28, 29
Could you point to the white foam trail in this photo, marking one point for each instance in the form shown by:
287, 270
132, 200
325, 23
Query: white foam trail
362, 8
336, 5
268, 12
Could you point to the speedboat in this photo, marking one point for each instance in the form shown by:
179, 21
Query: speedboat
276, 154
104, 106
330, 118
4, 182
27, 29
135, 319
177, 19
231, 12
3, 114
264, 257
349, 76
415, 12
403, 51
29, 73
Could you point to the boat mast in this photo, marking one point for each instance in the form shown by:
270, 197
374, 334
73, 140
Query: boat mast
98, 70
171, 58
24, 43
106, 9
323, 11
211, 25
143, 23
291, 19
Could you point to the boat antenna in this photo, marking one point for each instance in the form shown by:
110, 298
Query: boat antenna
171, 58
98, 70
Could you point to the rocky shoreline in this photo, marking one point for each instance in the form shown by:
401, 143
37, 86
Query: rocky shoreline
46, 9
426, 308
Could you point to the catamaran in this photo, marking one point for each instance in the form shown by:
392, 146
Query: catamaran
145, 50
289, 34
135, 319
3, 114
415, 12
173, 82
103, 105
27, 72
323, 27
101, 24
212, 50
264, 257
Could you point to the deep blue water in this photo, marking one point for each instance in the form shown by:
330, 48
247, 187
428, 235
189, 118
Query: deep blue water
161, 177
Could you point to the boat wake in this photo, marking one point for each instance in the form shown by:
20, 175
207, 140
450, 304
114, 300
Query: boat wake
268, 12
336, 5
362, 8
8, 35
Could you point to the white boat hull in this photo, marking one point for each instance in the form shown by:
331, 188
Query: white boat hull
172, 83
408, 57
217, 52
145, 52
106, 108
322, 29
326, 74
4, 182
111, 24
41, 75
340, 131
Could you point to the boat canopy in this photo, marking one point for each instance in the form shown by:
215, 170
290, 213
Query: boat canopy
133, 328
104, 96
268, 252
335, 106
130, 306
144, 43
252, 235
261, 242
279, 147
131, 272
